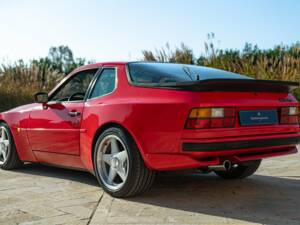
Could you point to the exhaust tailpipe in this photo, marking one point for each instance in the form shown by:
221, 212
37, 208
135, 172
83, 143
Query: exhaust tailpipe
223, 167
227, 165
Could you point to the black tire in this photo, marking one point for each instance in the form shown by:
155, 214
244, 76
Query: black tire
13, 161
139, 178
241, 171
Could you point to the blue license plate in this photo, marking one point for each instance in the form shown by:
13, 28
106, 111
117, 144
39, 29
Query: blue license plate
258, 117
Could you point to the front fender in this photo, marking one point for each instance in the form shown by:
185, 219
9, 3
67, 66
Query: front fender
17, 121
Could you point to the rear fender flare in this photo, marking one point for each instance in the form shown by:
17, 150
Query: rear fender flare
105, 126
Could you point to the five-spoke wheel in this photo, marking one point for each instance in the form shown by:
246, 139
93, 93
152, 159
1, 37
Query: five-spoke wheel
9, 158
4, 145
112, 162
118, 164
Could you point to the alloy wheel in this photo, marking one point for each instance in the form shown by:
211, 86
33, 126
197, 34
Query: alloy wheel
112, 162
4, 145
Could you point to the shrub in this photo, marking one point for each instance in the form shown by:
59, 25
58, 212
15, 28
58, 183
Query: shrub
20, 80
278, 63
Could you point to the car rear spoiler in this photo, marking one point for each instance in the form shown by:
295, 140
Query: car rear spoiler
234, 85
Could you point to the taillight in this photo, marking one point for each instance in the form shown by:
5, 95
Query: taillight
289, 115
200, 118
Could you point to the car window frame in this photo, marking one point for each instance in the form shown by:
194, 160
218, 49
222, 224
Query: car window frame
154, 85
88, 96
65, 81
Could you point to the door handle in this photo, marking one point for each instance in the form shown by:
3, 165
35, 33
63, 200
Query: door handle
74, 113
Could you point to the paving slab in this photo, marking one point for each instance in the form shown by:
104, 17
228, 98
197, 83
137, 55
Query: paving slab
39, 194
272, 196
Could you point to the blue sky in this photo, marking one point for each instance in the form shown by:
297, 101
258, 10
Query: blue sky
119, 30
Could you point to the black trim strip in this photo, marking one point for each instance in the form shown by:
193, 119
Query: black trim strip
227, 85
64, 82
232, 145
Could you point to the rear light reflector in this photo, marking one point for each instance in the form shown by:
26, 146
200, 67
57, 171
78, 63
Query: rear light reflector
201, 118
217, 122
229, 112
229, 122
289, 115
198, 124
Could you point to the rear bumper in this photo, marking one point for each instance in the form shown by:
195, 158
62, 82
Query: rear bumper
164, 162
244, 144
197, 153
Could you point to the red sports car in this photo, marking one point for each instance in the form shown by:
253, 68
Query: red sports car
125, 121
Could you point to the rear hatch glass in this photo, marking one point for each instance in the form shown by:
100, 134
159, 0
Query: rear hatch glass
197, 78
156, 73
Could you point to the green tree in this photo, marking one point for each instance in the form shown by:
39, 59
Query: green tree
61, 58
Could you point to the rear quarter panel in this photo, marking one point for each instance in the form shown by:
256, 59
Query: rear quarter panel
155, 117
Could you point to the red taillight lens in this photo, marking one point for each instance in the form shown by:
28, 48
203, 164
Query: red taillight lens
229, 112
229, 122
289, 115
197, 123
201, 118
217, 122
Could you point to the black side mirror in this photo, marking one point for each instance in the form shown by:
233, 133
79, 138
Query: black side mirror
41, 97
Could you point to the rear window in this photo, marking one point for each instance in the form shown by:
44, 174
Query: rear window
153, 73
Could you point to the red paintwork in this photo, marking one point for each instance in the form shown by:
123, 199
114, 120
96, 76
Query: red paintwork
155, 118
62, 135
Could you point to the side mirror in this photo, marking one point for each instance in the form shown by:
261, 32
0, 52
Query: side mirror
41, 97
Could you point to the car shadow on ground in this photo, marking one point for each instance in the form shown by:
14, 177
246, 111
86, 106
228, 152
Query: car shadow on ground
56, 172
259, 199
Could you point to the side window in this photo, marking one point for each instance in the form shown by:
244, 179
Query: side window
105, 83
75, 88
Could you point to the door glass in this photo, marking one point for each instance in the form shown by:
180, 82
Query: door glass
75, 88
105, 83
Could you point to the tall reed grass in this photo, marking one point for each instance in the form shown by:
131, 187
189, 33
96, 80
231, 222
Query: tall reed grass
20, 80
279, 63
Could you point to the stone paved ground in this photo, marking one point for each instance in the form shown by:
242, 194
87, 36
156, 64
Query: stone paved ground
44, 195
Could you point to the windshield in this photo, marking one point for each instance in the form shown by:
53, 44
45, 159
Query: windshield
151, 73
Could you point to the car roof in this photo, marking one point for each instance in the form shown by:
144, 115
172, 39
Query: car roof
99, 64
206, 70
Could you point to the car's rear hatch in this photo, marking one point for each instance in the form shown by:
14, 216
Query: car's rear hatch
258, 105
232, 85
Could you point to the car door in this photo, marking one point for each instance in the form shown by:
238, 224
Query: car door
55, 127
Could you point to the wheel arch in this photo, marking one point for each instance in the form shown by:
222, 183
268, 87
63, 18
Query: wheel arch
5, 122
2, 121
4, 118
107, 125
